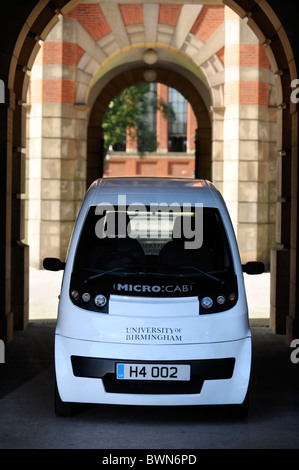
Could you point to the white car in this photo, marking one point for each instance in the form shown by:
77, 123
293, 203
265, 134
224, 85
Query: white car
152, 308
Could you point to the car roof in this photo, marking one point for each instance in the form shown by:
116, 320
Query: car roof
153, 190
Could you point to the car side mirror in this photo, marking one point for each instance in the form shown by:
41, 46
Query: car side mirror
253, 267
53, 264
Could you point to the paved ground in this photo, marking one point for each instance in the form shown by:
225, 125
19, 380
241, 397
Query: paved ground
27, 419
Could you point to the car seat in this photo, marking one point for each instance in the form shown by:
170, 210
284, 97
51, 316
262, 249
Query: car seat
118, 249
174, 255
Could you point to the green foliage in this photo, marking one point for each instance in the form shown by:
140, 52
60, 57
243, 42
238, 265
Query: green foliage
127, 112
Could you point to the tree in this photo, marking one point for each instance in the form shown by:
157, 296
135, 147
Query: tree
128, 112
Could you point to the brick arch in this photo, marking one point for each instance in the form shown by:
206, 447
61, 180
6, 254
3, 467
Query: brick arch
131, 77
32, 23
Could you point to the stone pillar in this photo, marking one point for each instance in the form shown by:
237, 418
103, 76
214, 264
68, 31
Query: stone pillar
56, 160
6, 145
217, 146
14, 252
19, 250
249, 135
95, 154
282, 290
292, 320
203, 144
191, 129
162, 123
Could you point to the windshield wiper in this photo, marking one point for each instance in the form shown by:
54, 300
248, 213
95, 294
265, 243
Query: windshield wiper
171, 273
102, 274
188, 274
204, 273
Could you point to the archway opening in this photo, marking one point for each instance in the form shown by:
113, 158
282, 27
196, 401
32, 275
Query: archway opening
107, 82
268, 28
149, 130
201, 167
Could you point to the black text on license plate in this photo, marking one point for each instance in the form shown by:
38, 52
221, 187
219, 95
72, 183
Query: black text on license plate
153, 371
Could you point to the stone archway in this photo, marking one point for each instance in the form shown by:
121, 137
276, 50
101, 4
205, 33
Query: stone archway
128, 78
33, 24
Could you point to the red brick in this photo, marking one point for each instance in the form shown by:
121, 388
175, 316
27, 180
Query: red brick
169, 14
254, 93
208, 21
132, 14
53, 91
246, 55
247, 92
92, 19
220, 54
253, 55
61, 53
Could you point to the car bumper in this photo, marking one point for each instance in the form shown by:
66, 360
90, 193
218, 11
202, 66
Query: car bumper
85, 373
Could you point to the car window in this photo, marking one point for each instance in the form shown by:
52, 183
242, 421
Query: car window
153, 242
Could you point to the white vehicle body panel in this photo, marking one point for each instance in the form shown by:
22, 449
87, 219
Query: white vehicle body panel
162, 329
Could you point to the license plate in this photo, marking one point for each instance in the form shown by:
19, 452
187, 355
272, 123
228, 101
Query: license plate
153, 372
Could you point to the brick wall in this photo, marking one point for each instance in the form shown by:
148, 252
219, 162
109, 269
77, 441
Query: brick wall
133, 165
249, 92
208, 21
132, 14
92, 19
169, 14
61, 53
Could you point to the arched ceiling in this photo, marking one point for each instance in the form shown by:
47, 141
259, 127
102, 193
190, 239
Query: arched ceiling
188, 37
173, 23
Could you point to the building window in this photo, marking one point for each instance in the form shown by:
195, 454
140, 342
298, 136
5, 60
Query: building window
177, 130
147, 136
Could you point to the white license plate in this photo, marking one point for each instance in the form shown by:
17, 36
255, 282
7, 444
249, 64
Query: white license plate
153, 371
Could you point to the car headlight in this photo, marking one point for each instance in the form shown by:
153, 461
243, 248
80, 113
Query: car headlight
86, 297
100, 300
220, 299
207, 302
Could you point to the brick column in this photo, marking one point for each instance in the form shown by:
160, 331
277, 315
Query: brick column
249, 141
162, 123
57, 147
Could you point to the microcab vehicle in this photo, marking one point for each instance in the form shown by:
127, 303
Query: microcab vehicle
152, 308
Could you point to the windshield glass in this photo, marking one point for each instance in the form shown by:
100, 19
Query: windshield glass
153, 243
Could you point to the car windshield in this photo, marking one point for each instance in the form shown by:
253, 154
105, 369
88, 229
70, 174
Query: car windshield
153, 244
